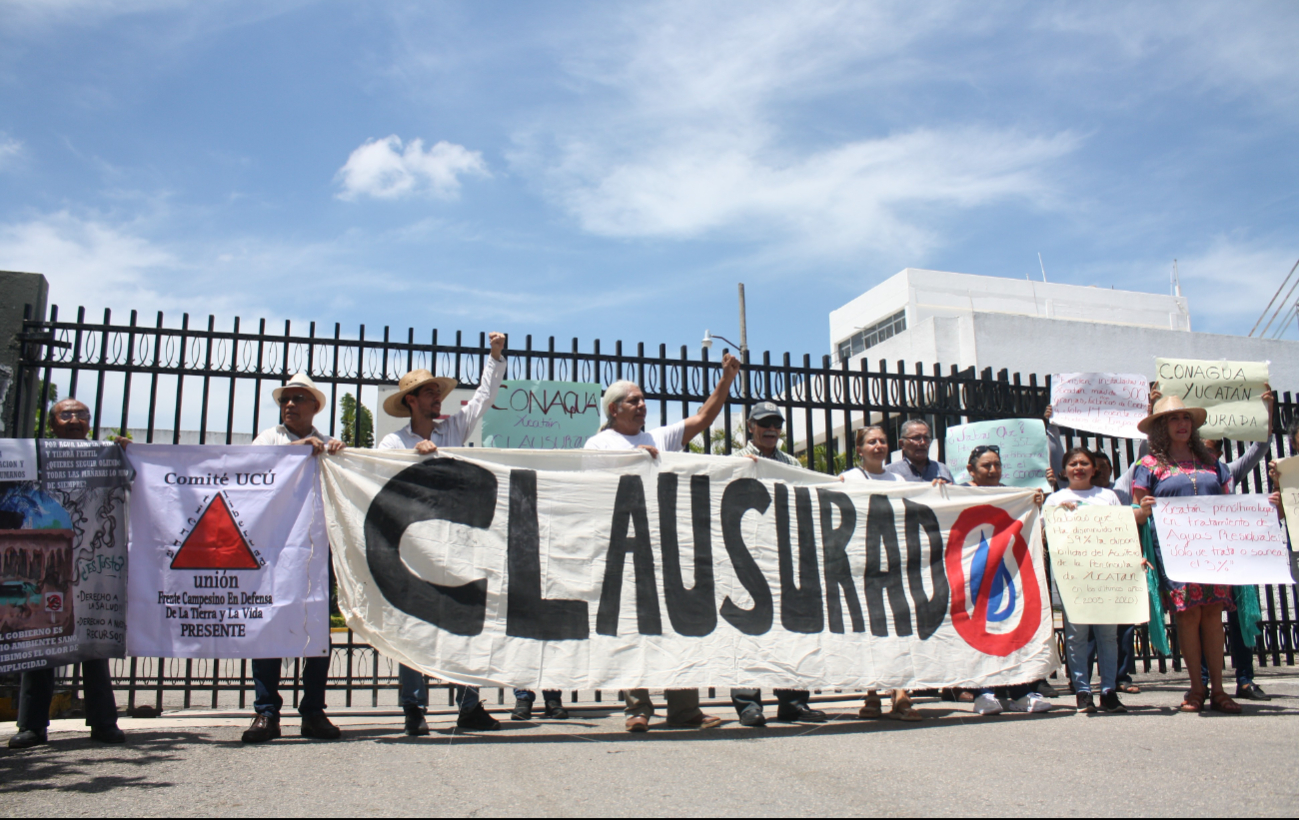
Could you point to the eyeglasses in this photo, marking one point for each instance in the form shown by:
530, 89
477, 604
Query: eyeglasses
296, 398
985, 448
69, 415
918, 438
770, 423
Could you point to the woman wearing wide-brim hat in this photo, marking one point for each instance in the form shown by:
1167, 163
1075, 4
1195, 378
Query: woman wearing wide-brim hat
1179, 465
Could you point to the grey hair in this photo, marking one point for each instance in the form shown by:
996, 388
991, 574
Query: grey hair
910, 424
615, 393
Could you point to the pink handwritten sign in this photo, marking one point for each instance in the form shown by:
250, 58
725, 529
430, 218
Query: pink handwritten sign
1110, 404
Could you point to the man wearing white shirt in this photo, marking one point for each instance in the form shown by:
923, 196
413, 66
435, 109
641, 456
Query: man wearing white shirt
419, 397
625, 408
299, 402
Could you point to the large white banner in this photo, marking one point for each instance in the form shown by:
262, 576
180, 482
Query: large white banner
1231, 539
1110, 404
229, 557
604, 570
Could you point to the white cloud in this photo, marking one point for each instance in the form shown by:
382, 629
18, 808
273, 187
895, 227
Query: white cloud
383, 169
10, 149
699, 133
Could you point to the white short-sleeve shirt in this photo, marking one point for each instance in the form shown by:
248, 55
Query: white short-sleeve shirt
668, 439
860, 474
1101, 496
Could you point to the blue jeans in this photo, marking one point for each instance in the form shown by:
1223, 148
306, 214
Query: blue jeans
36, 693
266, 682
414, 692
1242, 657
1127, 635
1107, 655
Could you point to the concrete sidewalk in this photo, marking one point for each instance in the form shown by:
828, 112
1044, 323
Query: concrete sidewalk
1152, 761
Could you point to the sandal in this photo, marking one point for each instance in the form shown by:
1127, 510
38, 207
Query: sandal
1131, 689
871, 709
1220, 702
1193, 702
907, 713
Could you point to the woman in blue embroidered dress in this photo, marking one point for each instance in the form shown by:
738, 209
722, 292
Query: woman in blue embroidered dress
1180, 465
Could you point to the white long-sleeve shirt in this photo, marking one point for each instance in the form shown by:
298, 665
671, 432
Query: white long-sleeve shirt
455, 428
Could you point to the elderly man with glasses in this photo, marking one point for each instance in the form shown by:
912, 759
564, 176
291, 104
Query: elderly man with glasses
764, 425
916, 465
69, 419
625, 411
419, 397
299, 401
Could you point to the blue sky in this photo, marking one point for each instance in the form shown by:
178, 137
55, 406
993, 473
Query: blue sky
610, 170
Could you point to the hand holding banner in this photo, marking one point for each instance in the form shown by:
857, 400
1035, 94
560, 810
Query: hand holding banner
1096, 561
1110, 404
1233, 539
1024, 456
1232, 392
542, 415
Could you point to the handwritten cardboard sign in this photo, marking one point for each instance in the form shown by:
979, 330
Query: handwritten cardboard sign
1110, 404
542, 415
1024, 456
1096, 560
1289, 472
1232, 392
1229, 539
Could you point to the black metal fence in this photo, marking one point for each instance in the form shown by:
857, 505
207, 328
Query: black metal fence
217, 382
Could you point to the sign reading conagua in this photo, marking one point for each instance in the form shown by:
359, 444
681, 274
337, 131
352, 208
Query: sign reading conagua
63, 552
587, 570
229, 557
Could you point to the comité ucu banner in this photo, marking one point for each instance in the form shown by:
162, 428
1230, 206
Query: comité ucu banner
588, 570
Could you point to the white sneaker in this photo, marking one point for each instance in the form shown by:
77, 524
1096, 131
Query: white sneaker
987, 705
1032, 702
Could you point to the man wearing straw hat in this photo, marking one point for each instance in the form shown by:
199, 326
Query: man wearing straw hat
419, 398
299, 401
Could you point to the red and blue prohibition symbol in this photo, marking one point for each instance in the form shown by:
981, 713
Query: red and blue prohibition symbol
991, 584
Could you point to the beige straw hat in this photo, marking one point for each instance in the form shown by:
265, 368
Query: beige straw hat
1166, 407
412, 381
303, 381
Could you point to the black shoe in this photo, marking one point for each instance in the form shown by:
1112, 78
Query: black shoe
1251, 691
522, 710
108, 734
416, 725
317, 726
752, 717
1046, 690
478, 720
800, 713
28, 738
1085, 703
264, 728
1110, 702
555, 710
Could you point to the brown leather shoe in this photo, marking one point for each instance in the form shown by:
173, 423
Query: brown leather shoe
318, 726
264, 728
637, 723
701, 722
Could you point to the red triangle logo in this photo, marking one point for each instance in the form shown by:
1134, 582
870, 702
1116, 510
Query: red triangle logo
216, 542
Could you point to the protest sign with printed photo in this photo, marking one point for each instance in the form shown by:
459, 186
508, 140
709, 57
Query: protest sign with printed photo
542, 415
63, 553
1232, 392
1232, 539
229, 554
1022, 442
1109, 404
606, 570
1096, 562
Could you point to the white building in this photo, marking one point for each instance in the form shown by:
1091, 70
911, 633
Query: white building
1033, 327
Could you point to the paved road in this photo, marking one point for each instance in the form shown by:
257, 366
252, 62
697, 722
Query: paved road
1151, 761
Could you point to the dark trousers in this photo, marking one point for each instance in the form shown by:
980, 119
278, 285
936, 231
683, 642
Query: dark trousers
743, 699
1242, 657
36, 692
413, 692
547, 695
266, 682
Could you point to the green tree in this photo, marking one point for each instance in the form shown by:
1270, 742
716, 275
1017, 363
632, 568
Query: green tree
357, 431
717, 441
50, 399
819, 463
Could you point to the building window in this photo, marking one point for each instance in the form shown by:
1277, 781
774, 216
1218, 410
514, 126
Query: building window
868, 337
